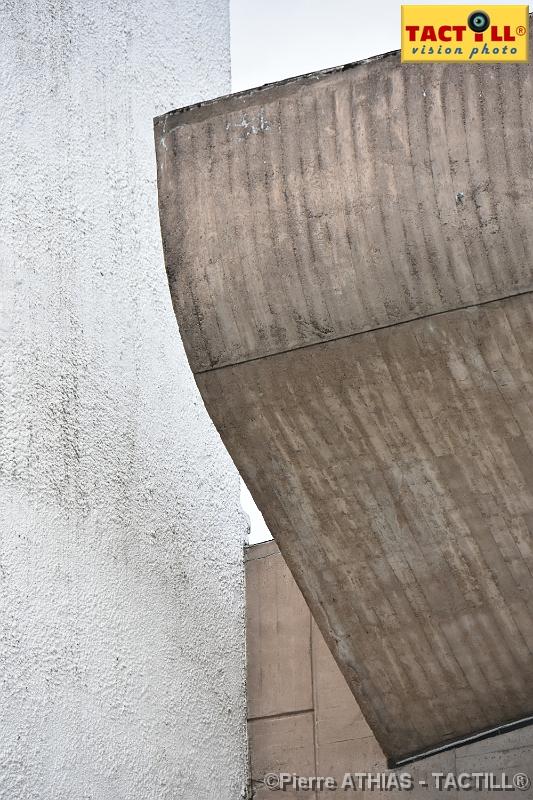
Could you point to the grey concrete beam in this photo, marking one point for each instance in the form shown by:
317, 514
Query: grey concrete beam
350, 258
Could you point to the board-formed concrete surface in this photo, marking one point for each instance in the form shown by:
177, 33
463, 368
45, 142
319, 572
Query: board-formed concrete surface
350, 257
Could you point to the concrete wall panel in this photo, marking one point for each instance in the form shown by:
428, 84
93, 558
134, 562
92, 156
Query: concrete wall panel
284, 743
276, 609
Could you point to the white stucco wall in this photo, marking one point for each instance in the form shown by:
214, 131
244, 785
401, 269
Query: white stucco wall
121, 619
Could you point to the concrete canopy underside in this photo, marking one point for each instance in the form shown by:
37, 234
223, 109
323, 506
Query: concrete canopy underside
350, 257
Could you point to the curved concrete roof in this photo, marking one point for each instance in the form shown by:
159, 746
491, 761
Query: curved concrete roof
350, 257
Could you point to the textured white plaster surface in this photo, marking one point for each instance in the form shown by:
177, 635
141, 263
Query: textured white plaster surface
121, 620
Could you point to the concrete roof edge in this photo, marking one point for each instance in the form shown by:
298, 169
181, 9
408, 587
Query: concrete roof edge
197, 112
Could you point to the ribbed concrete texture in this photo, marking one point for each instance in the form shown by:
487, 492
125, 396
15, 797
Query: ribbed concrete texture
350, 256
303, 720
